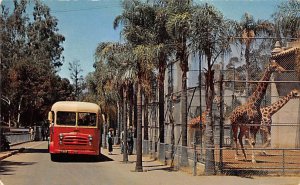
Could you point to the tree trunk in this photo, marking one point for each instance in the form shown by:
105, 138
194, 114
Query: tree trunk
139, 167
105, 132
209, 95
135, 117
146, 122
125, 155
184, 155
131, 101
119, 121
247, 55
161, 104
161, 119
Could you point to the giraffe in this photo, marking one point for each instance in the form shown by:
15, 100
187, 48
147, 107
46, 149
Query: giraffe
249, 113
267, 113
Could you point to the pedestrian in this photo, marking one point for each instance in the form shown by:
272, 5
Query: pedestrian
31, 133
130, 140
122, 141
43, 133
110, 140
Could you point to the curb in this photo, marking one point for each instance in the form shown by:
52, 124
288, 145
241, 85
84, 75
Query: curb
10, 153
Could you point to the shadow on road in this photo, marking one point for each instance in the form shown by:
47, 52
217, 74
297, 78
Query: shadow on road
8, 167
34, 150
81, 158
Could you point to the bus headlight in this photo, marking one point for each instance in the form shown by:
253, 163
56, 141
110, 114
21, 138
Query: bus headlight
90, 139
61, 136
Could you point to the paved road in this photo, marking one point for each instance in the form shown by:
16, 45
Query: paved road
34, 167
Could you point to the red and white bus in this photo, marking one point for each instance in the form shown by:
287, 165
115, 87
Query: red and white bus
74, 129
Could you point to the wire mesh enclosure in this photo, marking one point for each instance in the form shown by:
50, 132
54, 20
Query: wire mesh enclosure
239, 77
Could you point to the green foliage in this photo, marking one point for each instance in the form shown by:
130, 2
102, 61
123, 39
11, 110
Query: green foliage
31, 53
287, 20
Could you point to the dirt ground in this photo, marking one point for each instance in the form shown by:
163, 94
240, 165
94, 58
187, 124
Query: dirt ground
275, 160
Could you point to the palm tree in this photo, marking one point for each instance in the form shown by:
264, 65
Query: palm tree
249, 29
138, 20
209, 35
178, 25
114, 77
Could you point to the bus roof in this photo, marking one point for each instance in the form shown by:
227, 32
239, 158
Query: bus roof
75, 106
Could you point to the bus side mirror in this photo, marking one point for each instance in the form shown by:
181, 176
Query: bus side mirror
50, 116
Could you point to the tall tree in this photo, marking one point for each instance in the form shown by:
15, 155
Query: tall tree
287, 20
32, 54
248, 29
112, 82
162, 40
178, 25
137, 20
209, 35
77, 77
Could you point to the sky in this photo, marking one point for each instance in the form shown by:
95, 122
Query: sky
86, 23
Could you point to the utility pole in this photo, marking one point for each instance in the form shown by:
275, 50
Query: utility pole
19, 112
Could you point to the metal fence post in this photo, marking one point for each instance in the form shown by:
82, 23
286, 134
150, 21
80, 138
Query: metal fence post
283, 162
195, 161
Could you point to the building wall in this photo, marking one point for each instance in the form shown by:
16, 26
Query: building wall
285, 136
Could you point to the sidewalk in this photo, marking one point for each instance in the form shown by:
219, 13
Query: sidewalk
15, 149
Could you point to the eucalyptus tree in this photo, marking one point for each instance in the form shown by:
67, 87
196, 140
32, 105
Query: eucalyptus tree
13, 48
32, 54
77, 77
287, 20
248, 29
209, 36
178, 27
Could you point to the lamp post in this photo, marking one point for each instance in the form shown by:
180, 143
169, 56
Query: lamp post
8, 102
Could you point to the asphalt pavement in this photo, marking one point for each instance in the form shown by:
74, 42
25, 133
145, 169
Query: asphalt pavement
155, 172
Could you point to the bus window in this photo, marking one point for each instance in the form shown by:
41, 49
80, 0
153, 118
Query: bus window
66, 118
86, 119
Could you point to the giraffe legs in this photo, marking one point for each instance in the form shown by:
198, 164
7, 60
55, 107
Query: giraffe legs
235, 133
266, 137
250, 137
252, 144
241, 134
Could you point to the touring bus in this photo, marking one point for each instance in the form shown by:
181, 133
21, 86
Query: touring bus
74, 129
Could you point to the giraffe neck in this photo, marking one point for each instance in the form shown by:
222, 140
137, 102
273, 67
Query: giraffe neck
261, 88
274, 107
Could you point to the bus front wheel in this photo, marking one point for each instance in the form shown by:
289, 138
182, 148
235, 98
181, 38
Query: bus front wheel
54, 157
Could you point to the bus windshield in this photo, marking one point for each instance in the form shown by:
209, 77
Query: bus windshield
66, 118
86, 119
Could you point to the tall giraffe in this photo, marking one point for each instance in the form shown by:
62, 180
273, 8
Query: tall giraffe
249, 113
268, 111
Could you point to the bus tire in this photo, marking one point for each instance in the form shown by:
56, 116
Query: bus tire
54, 157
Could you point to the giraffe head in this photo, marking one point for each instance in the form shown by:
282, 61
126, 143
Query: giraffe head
274, 66
295, 93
